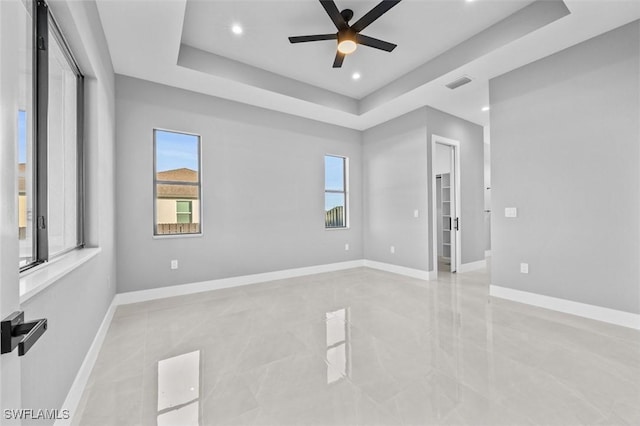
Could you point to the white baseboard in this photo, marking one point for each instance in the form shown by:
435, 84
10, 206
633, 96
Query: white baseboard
472, 266
80, 382
599, 313
401, 270
183, 289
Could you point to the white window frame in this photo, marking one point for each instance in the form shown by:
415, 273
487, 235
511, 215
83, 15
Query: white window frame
155, 188
45, 25
345, 192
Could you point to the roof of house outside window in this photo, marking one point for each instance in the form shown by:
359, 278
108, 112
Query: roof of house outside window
177, 191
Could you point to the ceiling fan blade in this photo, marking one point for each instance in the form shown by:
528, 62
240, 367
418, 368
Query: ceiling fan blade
334, 14
337, 63
373, 14
317, 37
375, 43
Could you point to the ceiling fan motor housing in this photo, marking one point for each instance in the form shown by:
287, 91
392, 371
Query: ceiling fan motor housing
347, 14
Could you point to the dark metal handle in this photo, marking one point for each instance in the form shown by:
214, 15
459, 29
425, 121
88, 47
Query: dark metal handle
457, 223
16, 332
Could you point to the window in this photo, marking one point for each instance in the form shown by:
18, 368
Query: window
50, 154
25, 137
176, 183
335, 191
183, 212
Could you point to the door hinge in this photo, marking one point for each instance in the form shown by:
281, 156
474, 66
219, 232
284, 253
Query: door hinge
42, 224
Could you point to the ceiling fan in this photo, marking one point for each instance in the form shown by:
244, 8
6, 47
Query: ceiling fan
348, 36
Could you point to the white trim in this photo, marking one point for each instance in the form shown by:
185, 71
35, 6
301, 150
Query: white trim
487, 253
472, 266
599, 313
183, 289
80, 382
37, 279
401, 270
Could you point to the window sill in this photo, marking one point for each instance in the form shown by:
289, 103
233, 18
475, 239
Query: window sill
37, 279
345, 228
170, 236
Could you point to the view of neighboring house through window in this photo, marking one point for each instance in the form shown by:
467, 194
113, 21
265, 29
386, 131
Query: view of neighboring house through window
335, 191
177, 183
25, 107
25, 228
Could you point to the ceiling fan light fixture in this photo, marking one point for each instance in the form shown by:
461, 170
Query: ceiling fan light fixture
347, 42
347, 46
349, 36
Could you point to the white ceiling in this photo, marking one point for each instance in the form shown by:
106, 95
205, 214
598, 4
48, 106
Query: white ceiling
421, 29
152, 39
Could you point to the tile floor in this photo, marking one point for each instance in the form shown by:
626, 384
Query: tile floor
360, 347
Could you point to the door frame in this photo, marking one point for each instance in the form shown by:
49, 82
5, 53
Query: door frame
455, 146
11, 13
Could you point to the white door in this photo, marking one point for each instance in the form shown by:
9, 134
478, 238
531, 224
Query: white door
445, 160
15, 28
454, 209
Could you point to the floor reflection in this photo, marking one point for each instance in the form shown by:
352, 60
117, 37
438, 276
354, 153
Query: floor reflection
338, 348
179, 390
360, 347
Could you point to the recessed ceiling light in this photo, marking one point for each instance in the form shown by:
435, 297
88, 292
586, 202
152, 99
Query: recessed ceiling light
236, 29
356, 76
486, 108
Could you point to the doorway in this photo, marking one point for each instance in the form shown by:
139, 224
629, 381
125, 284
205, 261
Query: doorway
445, 167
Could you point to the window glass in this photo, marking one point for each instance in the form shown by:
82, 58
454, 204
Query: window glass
334, 173
25, 146
48, 115
62, 174
177, 183
335, 193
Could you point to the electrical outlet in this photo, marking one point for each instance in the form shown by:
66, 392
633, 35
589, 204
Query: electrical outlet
510, 212
174, 264
524, 268
346, 247
392, 249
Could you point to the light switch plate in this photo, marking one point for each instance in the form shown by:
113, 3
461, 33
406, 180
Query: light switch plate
524, 268
510, 212
416, 213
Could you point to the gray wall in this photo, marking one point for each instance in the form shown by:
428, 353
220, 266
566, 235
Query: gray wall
565, 152
76, 304
262, 183
397, 176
